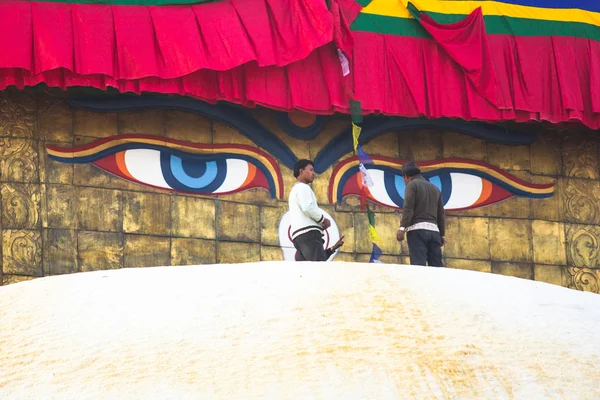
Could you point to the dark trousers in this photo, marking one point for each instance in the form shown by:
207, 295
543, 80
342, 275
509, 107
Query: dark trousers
310, 247
425, 247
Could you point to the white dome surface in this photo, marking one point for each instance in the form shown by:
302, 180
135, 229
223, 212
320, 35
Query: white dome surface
284, 330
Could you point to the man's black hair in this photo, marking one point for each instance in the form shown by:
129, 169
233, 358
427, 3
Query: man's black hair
410, 169
301, 164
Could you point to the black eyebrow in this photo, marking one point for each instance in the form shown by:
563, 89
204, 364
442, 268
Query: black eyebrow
228, 114
373, 127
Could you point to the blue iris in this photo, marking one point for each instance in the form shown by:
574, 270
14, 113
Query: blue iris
193, 172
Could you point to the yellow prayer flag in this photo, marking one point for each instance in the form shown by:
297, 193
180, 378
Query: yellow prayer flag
374, 235
355, 134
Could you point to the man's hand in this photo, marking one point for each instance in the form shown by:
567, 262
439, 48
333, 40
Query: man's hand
338, 244
400, 235
326, 223
443, 240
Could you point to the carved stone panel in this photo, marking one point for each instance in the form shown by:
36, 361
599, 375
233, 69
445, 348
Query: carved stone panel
584, 279
583, 246
581, 200
18, 111
22, 252
20, 206
580, 157
18, 160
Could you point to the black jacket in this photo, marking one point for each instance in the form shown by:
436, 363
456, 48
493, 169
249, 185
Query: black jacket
423, 203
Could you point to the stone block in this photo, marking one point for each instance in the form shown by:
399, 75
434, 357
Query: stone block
270, 217
99, 250
193, 217
580, 157
271, 253
186, 251
519, 270
345, 257
581, 201
19, 114
471, 265
225, 134
385, 225
56, 172
345, 224
187, 126
62, 206
510, 240
146, 213
149, 122
237, 221
550, 274
458, 145
10, 279
94, 124
237, 252
545, 155
508, 158
384, 145
551, 208
548, 243
56, 122
467, 238
424, 144
98, 209
146, 251
60, 251
584, 279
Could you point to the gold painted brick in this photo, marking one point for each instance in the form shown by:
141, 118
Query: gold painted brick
54, 171
424, 144
584, 279
187, 126
193, 217
237, 252
146, 213
223, 133
320, 187
519, 270
20, 206
345, 257
237, 221
405, 260
271, 253
193, 251
149, 122
60, 251
548, 243
464, 146
510, 240
10, 279
508, 157
550, 274
56, 122
386, 227
471, 265
545, 155
22, 252
513, 207
288, 180
98, 209
18, 110
270, 218
257, 196
467, 238
61, 206
345, 224
19, 160
94, 124
550, 208
99, 250
384, 145
146, 251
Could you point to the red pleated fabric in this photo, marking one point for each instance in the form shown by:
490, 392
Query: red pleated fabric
286, 61
134, 42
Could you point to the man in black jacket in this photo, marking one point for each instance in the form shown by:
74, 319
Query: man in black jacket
422, 218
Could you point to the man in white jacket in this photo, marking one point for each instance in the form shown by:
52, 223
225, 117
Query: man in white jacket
307, 220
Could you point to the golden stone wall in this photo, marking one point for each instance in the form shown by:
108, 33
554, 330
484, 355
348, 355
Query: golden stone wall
59, 218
